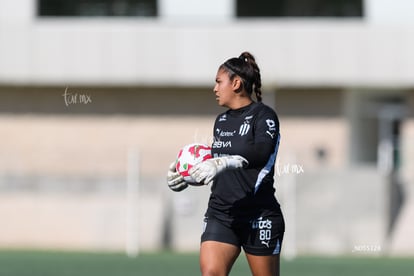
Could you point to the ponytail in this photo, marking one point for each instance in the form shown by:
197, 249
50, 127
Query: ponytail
246, 68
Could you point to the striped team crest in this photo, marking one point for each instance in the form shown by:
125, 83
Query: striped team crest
244, 129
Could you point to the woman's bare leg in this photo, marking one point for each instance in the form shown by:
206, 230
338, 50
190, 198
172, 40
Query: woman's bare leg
264, 265
217, 258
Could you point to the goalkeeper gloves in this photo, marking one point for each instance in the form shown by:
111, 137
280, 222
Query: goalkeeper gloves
175, 180
206, 171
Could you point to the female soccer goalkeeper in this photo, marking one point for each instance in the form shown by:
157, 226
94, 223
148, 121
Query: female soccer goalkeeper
242, 212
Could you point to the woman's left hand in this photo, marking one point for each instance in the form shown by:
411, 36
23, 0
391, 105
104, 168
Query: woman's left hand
206, 171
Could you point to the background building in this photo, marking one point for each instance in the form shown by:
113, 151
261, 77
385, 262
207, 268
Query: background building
96, 98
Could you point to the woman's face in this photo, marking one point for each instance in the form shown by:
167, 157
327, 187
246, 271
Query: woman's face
224, 89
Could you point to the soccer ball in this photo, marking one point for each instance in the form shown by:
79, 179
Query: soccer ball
188, 156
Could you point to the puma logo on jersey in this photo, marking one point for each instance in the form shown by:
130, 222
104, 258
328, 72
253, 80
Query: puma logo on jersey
271, 134
266, 243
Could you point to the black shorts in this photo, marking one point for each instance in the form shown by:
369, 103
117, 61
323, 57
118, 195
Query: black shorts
262, 236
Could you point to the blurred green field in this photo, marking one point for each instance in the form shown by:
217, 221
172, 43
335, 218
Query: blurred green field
42, 263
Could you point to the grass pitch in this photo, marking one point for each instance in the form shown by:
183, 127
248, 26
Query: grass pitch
41, 263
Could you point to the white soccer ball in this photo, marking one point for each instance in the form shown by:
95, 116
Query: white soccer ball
188, 156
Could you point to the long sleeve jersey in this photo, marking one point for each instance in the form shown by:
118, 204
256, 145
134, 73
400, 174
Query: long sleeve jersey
238, 195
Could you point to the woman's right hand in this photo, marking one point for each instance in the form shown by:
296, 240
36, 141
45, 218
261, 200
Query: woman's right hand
175, 180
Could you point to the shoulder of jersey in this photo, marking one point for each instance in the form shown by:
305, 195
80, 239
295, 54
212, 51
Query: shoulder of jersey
267, 108
262, 108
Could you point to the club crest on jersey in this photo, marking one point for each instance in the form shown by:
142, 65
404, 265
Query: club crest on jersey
245, 127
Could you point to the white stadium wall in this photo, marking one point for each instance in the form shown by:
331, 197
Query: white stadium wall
166, 50
148, 52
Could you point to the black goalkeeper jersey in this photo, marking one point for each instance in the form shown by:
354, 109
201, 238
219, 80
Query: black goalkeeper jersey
239, 195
